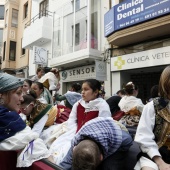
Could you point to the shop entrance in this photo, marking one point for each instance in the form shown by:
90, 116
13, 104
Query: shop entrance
145, 81
145, 78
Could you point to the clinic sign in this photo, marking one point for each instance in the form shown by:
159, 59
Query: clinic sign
131, 12
155, 57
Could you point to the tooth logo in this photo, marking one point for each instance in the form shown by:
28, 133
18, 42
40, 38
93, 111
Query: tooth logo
119, 63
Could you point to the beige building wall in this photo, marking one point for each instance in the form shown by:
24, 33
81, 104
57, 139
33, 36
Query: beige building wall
22, 59
15, 33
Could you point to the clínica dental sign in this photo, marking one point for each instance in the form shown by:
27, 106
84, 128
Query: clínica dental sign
155, 57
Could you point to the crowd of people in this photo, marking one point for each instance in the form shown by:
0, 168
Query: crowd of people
93, 131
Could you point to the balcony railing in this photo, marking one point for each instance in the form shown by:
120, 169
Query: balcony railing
38, 16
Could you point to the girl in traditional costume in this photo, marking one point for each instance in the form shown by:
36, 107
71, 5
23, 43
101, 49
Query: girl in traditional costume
87, 108
39, 115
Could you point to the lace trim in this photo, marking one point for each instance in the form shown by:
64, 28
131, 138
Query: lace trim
27, 163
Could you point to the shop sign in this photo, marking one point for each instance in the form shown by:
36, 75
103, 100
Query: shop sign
40, 55
155, 57
101, 73
131, 12
79, 73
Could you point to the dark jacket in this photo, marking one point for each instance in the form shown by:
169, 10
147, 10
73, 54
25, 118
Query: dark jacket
10, 123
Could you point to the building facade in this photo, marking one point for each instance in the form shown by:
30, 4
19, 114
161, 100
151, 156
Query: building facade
72, 33
2, 3
140, 42
14, 57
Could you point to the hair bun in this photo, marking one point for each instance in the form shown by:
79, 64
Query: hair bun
131, 85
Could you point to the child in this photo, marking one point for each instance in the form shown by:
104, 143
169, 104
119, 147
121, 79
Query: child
87, 108
40, 115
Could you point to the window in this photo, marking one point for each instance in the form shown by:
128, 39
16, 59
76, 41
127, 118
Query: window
1, 43
4, 50
22, 49
94, 30
12, 52
1, 12
25, 10
6, 18
58, 37
43, 8
114, 2
1, 35
77, 5
14, 21
77, 34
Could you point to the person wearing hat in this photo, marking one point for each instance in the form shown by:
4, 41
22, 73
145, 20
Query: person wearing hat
14, 134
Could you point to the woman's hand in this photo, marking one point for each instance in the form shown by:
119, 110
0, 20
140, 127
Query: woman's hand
164, 166
161, 164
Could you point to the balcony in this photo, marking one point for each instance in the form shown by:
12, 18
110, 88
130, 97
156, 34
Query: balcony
38, 30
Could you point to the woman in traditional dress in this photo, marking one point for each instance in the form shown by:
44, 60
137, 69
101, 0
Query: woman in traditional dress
14, 134
39, 89
51, 80
131, 105
153, 132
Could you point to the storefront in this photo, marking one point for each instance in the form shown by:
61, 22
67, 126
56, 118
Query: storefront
143, 68
79, 74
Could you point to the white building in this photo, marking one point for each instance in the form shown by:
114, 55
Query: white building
72, 31
2, 2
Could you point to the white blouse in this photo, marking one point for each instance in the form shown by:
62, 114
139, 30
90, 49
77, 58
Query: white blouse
129, 102
144, 135
98, 104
